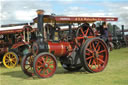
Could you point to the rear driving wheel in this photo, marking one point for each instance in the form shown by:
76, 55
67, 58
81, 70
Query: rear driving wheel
83, 32
45, 65
95, 55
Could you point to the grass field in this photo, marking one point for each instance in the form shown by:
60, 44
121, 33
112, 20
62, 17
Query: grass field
116, 73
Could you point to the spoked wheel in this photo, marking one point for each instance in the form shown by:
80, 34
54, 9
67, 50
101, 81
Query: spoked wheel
27, 64
117, 44
10, 59
95, 55
83, 32
45, 65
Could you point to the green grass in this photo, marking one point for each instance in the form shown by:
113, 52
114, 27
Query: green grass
116, 73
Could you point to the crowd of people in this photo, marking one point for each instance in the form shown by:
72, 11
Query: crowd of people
102, 32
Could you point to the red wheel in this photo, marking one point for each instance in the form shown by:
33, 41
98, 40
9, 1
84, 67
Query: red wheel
45, 65
95, 55
83, 31
27, 64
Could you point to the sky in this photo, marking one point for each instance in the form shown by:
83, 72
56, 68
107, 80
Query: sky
23, 11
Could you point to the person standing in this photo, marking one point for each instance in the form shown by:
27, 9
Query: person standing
94, 27
104, 32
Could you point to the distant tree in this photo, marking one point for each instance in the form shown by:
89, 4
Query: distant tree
117, 27
110, 27
98, 24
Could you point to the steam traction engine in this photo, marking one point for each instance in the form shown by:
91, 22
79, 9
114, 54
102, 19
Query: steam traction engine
13, 43
78, 48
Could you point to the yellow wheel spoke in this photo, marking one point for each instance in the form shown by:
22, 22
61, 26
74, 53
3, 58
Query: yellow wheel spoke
7, 61
14, 59
13, 62
7, 56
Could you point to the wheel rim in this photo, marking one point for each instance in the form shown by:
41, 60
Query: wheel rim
27, 65
82, 34
10, 60
45, 66
96, 55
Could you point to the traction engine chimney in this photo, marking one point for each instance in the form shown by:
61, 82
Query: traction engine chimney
123, 31
40, 14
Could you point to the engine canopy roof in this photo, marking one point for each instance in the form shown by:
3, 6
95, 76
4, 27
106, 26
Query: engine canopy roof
73, 19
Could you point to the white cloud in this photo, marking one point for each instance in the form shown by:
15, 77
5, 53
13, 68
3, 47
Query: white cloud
81, 11
121, 10
18, 11
125, 7
25, 15
114, 9
65, 0
15, 11
98, 14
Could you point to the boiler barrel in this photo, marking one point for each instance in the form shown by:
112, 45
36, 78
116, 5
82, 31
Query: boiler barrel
59, 49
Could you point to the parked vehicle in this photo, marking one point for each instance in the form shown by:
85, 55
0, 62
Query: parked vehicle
75, 48
13, 42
